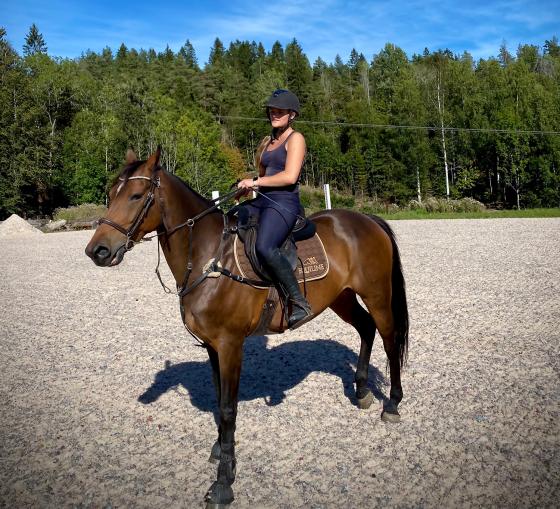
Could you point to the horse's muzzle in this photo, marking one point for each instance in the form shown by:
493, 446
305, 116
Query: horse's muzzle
103, 256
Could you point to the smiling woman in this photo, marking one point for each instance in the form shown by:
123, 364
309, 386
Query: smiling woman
278, 205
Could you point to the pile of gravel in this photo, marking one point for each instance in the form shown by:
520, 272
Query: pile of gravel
17, 226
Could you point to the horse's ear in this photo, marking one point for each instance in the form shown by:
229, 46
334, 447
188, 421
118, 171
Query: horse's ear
153, 161
130, 156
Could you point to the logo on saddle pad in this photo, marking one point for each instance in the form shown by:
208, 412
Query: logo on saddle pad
310, 266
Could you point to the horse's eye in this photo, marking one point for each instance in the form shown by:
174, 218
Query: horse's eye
135, 197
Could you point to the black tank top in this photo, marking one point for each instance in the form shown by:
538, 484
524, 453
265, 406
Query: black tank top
274, 161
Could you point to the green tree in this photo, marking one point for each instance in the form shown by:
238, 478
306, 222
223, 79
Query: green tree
201, 159
34, 42
188, 54
217, 53
13, 105
551, 47
298, 70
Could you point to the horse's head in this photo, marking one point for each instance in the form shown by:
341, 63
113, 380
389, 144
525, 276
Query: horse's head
133, 211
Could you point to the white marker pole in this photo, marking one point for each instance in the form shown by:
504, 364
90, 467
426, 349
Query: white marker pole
327, 196
215, 194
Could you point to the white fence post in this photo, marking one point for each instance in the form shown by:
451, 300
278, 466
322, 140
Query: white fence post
215, 194
327, 190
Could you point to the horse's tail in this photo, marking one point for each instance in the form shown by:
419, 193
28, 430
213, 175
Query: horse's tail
398, 299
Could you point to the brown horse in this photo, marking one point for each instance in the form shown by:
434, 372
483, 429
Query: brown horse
364, 260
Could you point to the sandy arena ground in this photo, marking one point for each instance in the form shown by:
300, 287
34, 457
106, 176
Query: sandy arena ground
107, 402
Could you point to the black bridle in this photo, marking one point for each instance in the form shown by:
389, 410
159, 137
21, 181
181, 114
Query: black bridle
140, 216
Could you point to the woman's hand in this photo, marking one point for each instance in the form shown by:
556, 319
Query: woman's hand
247, 185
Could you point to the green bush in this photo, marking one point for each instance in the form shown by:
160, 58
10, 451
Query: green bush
85, 212
416, 205
432, 204
470, 205
313, 200
372, 206
342, 201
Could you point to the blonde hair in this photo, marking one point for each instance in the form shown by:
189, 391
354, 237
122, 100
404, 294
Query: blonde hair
258, 153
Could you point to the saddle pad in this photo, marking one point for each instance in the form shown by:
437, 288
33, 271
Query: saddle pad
311, 252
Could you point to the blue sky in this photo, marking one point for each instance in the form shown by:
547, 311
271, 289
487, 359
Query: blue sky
324, 29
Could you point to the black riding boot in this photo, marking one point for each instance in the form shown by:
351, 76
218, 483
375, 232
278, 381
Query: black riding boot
283, 273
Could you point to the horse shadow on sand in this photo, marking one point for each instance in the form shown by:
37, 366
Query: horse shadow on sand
267, 373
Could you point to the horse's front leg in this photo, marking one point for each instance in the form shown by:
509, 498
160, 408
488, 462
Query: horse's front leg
215, 364
230, 354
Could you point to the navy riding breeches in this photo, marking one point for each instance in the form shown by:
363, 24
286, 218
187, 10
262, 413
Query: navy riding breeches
276, 220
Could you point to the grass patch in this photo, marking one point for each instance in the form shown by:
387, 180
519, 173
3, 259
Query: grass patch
85, 212
484, 214
431, 208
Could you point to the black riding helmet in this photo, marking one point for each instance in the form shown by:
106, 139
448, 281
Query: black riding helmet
283, 100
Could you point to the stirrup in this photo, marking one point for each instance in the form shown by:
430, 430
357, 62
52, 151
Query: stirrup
297, 319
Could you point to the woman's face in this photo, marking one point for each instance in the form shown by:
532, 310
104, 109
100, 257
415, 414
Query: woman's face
279, 117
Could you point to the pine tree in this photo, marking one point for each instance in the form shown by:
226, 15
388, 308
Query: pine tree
34, 42
7, 55
354, 59
505, 58
217, 53
551, 47
241, 55
122, 52
277, 54
167, 55
298, 70
188, 54
339, 65
260, 60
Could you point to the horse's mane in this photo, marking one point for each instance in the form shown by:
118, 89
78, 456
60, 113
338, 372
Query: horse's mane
129, 170
190, 189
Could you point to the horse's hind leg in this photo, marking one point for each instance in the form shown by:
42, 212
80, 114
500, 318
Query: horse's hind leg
384, 320
349, 309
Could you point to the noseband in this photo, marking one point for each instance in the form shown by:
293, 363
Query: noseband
129, 244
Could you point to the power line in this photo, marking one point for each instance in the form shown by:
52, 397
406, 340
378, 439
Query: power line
407, 127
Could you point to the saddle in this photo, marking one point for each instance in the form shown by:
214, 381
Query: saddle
303, 248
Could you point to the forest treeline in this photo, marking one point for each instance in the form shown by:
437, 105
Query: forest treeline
65, 124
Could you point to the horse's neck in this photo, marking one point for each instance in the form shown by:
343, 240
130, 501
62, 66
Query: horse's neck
181, 204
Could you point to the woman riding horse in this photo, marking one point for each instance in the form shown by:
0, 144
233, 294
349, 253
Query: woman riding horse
363, 257
278, 205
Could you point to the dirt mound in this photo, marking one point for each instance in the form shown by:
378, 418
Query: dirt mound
16, 226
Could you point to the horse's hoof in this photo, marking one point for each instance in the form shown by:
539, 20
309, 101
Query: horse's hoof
219, 495
215, 453
390, 417
365, 402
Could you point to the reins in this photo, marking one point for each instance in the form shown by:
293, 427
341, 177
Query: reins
213, 266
